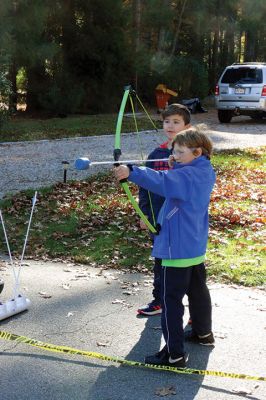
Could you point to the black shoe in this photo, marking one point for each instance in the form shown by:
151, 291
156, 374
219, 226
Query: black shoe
179, 362
204, 340
158, 358
163, 358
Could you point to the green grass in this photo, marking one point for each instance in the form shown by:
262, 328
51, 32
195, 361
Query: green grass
92, 222
22, 128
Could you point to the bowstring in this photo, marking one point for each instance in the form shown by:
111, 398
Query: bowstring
146, 112
140, 143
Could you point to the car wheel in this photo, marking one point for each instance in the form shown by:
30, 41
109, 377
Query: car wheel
257, 116
224, 116
1, 285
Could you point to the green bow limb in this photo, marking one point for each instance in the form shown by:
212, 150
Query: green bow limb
117, 154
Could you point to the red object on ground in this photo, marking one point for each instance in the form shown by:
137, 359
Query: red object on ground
163, 94
161, 99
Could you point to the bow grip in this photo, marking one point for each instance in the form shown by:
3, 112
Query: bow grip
122, 180
117, 154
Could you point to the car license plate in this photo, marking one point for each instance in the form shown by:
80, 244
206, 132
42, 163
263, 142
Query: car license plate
239, 91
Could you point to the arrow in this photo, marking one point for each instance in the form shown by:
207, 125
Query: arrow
84, 163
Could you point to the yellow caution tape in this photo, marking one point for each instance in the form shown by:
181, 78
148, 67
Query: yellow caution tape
91, 354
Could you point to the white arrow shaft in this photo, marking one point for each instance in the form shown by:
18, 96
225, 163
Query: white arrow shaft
127, 161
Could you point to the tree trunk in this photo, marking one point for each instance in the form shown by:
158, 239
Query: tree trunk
162, 31
250, 45
12, 76
178, 27
36, 84
214, 59
230, 39
137, 32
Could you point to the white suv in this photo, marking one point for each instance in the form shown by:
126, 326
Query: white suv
241, 90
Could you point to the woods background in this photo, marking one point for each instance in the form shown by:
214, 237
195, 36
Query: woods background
75, 56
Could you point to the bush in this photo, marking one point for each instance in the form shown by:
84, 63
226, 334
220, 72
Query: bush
183, 74
62, 96
189, 77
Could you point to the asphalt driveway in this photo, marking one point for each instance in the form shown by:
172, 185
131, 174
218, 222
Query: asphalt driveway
95, 310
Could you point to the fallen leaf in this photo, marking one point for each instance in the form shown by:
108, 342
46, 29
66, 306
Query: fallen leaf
103, 344
81, 275
165, 391
66, 286
117, 301
220, 335
45, 295
241, 391
70, 314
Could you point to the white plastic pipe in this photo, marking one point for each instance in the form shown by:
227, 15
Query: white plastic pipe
14, 306
19, 303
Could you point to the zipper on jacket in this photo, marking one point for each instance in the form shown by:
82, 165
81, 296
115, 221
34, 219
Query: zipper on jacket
172, 212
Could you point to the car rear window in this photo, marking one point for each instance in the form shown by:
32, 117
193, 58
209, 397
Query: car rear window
242, 75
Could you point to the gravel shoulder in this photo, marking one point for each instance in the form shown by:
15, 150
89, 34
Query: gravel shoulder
25, 165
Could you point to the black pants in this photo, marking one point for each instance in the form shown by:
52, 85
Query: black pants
157, 280
175, 284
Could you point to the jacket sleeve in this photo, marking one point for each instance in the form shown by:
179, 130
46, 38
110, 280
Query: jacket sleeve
175, 183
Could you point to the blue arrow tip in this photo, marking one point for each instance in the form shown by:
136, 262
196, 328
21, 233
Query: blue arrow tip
82, 163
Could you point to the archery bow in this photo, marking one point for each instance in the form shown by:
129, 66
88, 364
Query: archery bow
118, 152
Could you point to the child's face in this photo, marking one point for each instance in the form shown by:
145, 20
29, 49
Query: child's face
173, 125
184, 154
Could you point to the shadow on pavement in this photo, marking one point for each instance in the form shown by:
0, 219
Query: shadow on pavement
125, 382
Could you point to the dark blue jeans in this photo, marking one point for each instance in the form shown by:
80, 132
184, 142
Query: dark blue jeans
175, 284
157, 268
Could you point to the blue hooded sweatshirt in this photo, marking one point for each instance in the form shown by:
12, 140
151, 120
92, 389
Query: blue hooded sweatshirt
183, 217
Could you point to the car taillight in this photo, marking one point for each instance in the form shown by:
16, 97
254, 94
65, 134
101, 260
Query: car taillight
263, 92
217, 90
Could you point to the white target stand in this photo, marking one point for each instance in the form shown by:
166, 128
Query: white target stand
18, 303
14, 306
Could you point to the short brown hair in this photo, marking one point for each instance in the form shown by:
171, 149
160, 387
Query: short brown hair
178, 109
195, 137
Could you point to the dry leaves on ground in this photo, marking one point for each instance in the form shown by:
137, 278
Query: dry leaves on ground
165, 391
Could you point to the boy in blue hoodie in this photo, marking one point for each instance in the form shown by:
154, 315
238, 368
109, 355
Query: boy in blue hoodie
182, 240
176, 118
